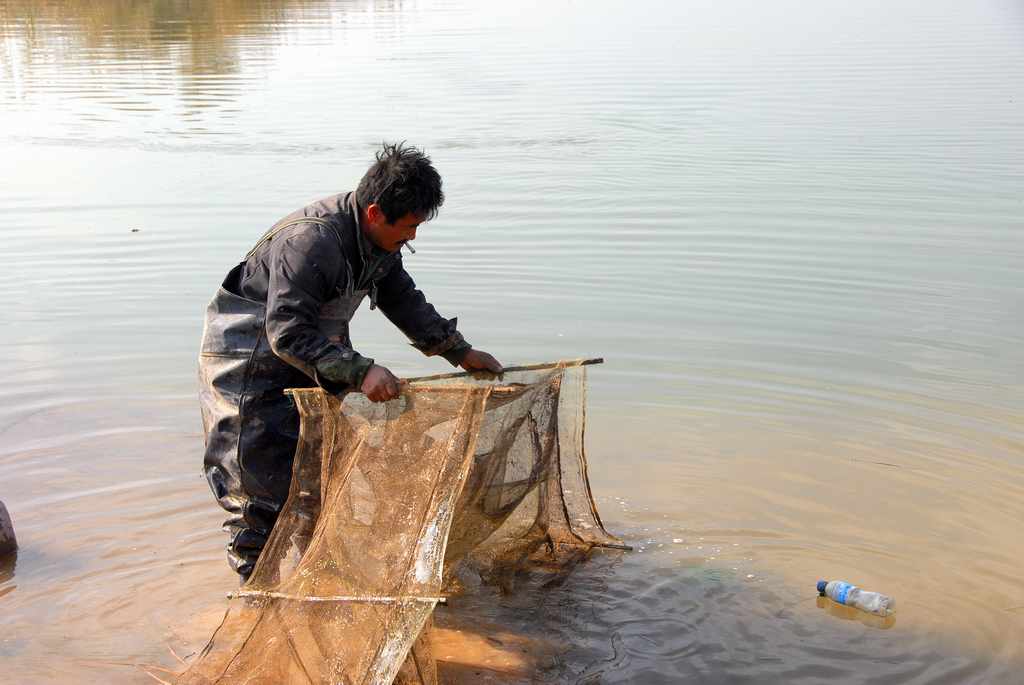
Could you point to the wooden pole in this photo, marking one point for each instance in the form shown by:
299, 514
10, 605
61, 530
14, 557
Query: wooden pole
484, 375
565, 364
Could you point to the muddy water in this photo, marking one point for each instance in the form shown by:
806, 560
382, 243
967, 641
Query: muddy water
793, 229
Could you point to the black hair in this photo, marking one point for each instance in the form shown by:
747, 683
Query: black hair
402, 180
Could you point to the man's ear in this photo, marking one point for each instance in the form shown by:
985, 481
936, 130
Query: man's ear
374, 213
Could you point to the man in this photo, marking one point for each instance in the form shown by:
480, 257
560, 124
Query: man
280, 320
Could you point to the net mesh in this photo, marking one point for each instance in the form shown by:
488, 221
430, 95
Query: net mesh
387, 501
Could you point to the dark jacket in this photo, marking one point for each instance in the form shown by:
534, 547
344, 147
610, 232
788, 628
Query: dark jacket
296, 270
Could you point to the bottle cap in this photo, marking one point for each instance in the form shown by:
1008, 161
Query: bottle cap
821, 587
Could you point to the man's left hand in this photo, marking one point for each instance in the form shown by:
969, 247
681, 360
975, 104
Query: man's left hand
478, 360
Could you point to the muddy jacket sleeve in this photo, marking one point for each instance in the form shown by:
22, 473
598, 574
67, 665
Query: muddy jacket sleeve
408, 309
304, 271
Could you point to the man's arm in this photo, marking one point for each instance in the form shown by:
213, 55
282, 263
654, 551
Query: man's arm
430, 333
305, 268
407, 308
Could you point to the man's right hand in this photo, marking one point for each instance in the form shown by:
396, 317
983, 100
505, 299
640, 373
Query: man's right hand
380, 385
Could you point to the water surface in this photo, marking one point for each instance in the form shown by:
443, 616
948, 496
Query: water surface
793, 231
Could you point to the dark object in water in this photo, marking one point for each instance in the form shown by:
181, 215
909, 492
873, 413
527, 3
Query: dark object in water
8, 543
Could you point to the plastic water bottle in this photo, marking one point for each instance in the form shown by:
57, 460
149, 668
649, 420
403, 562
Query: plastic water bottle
851, 595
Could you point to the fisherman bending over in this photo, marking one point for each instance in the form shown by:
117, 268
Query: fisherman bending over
280, 320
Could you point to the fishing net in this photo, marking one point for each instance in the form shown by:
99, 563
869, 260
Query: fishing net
387, 502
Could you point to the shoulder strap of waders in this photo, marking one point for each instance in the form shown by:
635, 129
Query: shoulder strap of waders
274, 230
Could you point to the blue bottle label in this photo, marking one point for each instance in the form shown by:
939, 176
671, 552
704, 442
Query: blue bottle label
842, 589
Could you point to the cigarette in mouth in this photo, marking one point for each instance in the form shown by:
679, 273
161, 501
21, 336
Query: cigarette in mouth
408, 245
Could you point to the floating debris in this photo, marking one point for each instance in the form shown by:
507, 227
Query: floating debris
8, 543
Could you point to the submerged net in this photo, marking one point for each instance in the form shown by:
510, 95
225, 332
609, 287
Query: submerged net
387, 501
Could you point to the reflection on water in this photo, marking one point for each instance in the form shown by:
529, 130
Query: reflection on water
199, 38
793, 229
847, 613
139, 57
8, 564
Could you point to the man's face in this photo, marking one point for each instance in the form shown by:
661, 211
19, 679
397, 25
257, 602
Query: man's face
389, 236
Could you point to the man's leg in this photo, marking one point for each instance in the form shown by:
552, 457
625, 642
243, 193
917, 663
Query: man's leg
252, 482
249, 532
